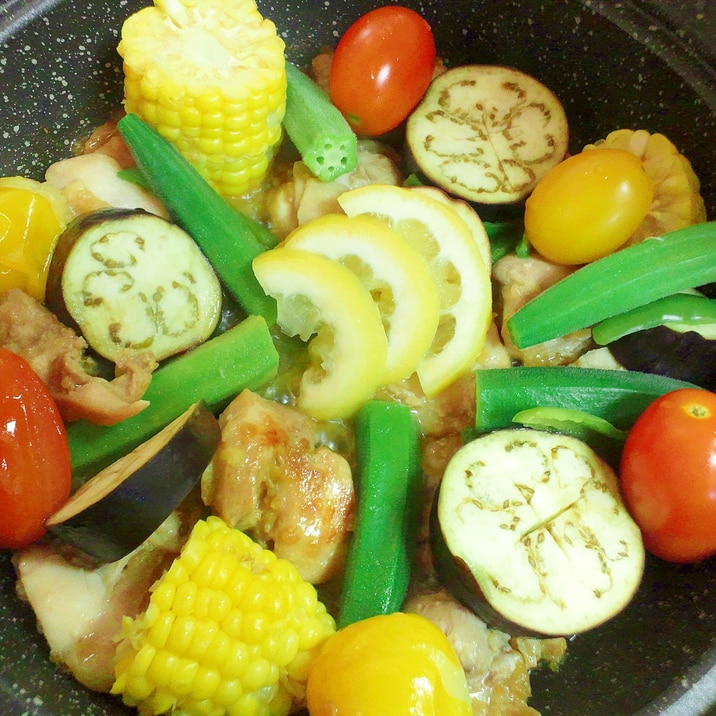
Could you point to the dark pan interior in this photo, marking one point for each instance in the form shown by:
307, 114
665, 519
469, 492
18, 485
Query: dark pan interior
632, 64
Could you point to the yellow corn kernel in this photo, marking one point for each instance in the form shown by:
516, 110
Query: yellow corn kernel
229, 629
210, 77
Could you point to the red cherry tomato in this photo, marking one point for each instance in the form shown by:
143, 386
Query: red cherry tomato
381, 68
35, 469
668, 475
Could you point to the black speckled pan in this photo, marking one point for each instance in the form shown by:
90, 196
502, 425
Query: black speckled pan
629, 64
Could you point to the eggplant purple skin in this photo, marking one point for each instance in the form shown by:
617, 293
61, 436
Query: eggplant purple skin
685, 356
68, 238
118, 523
459, 581
231, 312
708, 290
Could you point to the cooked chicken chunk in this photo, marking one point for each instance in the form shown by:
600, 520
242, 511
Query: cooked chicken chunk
497, 666
302, 197
271, 478
521, 280
79, 605
90, 182
56, 353
106, 139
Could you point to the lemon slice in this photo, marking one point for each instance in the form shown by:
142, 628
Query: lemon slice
467, 214
396, 275
436, 230
325, 303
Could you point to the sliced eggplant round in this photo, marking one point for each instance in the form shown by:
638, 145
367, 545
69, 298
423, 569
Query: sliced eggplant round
686, 355
487, 133
530, 532
131, 281
121, 506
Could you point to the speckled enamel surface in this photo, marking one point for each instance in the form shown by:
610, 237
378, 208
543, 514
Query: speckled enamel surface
614, 64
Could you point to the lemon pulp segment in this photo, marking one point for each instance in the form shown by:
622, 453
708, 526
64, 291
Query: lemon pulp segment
467, 214
324, 303
436, 230
396, 275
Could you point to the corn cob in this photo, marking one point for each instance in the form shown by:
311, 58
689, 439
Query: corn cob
210, 76
677, 201
229, 629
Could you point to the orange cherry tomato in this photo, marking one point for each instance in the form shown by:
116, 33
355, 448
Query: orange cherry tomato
381, 68
388, 665
35, 469
587, 206
668, 475
32, 216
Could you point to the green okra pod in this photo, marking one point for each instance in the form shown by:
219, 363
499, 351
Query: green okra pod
388, 489
628, 278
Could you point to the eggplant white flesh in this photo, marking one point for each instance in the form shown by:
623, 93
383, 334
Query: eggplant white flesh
487, 133
121, 506
531, 533
132, 282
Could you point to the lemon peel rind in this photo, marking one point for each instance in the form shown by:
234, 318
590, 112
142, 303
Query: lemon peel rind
348, 348
413, 320
472, 311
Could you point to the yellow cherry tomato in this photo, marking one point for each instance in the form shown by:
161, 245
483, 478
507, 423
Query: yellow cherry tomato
388, 665
588, 206
32, 216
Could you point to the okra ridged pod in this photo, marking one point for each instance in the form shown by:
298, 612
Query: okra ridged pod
211, 78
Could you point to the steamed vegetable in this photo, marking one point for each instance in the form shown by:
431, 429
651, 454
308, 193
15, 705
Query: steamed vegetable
681, 312
215, 371
229, 239
487, 133
388, 665
531, 533
572, 422
324, 139
636, 275
133, 282
605, 439
113, 513
673, 336
387, 490
35, 473
229, 629
210, 78
683, 355
587, 206
613, 395
33, 216
677, 201
668, 474
381, 68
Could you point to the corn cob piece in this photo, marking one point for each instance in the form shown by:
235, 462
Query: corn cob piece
210, 77
677, 201
229, 629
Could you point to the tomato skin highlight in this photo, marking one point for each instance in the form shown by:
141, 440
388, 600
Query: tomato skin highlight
381, 68
588, 206
668, 475
35, 468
